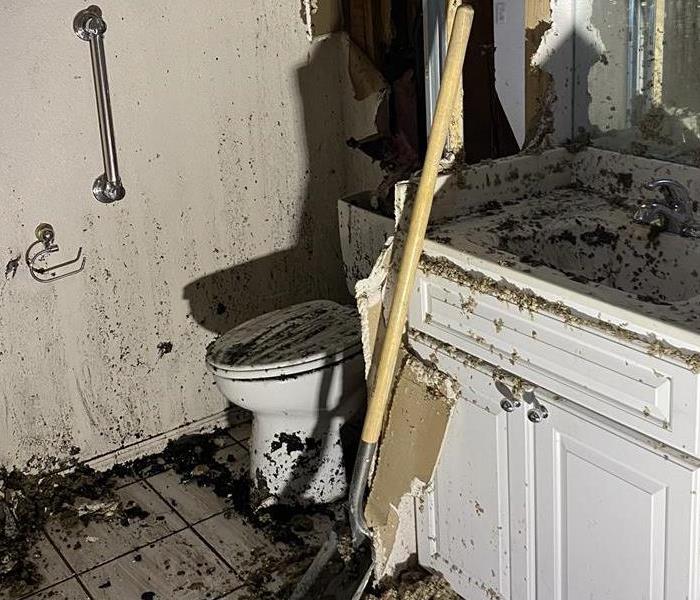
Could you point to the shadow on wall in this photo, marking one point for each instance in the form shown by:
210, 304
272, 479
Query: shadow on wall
313, 268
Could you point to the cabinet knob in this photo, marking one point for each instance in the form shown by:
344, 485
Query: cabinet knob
510, 404
537, 413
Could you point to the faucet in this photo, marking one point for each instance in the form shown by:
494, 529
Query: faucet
673, 213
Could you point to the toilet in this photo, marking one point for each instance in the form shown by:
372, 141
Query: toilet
300, 371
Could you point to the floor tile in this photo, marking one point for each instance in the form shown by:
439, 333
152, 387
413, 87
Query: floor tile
68, 590
222, 439
193, 501
124, 480
50, 567
235, 458
241, 432
178, 567
238, 415
150, 518
245, 548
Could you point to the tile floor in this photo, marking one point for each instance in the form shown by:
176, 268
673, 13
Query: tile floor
188, 547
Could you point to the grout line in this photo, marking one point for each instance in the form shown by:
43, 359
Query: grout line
74, 574
58, 550
244, 446
216, 514
218, 554
41, 590
82, 585
70, 566
128, 483
136, 549
199, 535
241, 441
227, 594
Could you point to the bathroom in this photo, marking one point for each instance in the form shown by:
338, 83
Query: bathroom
264, 150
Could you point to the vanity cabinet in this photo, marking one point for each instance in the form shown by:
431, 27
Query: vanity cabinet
463, 529
598, 500
571, 507
614, 518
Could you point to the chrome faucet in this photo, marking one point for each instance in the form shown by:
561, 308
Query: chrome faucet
673, 213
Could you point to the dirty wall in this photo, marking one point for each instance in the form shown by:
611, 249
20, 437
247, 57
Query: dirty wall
231, 133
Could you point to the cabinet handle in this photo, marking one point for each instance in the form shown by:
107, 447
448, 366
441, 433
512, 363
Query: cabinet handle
510, 404
537, 413
510, 401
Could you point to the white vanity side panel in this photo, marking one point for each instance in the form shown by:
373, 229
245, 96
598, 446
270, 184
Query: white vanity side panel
463, 518
610, 528
652, 395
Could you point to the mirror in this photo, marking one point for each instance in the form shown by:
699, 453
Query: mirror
637, 78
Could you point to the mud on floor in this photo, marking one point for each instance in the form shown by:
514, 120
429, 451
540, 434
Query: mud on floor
414, 584
80, 496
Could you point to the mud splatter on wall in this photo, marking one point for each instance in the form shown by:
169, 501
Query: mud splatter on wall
230, 129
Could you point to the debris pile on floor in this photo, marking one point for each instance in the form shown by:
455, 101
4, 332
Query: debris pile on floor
414, 584
28, 501
79, 495
194, 459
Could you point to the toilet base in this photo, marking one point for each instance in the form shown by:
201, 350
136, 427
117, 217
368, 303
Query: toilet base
298, 440
298, 459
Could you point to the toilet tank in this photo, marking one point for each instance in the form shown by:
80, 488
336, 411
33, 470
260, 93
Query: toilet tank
363, 233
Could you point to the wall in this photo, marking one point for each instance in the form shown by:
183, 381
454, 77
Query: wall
230, 129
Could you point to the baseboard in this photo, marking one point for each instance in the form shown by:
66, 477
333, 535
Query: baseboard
157, 443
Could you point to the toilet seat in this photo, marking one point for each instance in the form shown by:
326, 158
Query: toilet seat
287, 342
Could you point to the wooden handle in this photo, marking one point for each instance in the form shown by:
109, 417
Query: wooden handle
451, 79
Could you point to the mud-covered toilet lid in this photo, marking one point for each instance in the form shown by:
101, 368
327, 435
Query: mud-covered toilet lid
320, 331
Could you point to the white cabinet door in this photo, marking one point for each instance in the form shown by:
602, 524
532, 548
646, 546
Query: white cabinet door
463, 519
614, 519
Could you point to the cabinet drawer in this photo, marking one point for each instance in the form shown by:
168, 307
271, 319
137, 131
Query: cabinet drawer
652, 395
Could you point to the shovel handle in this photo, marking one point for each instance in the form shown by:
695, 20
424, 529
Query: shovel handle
449, 86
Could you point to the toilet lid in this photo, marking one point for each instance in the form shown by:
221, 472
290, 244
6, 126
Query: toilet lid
295, 339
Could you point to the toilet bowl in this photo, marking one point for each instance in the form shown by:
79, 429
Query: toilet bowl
300, 371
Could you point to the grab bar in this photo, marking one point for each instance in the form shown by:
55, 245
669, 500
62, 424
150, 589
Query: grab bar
89, 26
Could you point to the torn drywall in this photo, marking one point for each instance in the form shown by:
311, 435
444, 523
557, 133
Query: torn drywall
417, 418
420, 411
321, 17
366, 78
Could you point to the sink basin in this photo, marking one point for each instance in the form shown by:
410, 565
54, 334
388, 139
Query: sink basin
588, 238
661, 268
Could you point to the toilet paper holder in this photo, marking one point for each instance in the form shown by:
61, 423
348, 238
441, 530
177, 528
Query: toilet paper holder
45, 237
